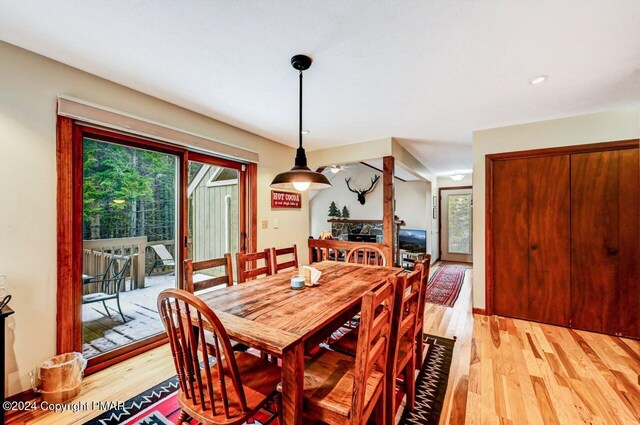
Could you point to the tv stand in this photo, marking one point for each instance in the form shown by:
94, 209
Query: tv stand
408, 258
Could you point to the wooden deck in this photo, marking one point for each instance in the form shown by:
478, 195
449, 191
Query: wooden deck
102, 332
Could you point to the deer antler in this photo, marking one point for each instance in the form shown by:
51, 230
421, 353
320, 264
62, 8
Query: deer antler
349, 187
373, 183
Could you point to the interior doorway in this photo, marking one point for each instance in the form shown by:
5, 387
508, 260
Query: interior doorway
456, 224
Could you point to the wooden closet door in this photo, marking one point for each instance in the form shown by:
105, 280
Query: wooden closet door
604, 242
510, 235
628, 288
549, 289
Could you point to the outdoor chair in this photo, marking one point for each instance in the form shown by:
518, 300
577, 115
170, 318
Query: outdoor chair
110, 283
163, 258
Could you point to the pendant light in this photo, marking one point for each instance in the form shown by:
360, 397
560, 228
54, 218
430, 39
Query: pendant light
300, 177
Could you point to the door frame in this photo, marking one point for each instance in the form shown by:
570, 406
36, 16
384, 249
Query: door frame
440, 213
69, 160
490, 159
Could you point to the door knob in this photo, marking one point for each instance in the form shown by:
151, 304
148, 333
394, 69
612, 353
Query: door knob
612, 251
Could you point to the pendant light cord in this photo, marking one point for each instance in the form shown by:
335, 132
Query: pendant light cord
300, 112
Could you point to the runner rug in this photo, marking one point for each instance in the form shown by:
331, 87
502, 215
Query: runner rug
159, 405
444, 286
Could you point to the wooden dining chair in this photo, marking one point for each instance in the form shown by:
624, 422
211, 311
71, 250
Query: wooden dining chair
191, 267
226, 278
279, 252
402, 357
426, 268
366, 254
245, 261
217, 385
342, 389
403, 342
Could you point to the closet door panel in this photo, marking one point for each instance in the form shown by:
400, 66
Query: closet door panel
510, 236
628, 288
594, 241
549, 290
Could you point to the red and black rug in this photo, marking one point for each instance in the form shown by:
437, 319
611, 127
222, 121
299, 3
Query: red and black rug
444, 286
159, 405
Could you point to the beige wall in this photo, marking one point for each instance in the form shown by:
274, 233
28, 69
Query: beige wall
29, 86
614, 125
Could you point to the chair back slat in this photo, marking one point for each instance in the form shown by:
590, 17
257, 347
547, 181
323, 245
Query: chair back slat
207, 366
366, 254
373, 342
191, 267
195, 364
185, 318
247, 265
278, 252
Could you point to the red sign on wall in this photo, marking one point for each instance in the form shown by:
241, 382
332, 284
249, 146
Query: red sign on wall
285, 199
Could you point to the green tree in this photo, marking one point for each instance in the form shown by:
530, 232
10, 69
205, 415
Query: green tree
333, 210
120, 184
345, 212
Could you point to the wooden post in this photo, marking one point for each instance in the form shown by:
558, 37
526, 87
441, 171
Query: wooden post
388, 221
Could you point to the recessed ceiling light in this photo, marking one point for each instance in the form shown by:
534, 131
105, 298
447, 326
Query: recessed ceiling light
539, 79
305, 132
457, 177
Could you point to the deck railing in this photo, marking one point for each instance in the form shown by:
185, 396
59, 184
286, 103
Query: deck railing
98, 252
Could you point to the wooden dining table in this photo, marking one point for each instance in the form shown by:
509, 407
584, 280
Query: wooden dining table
266, 314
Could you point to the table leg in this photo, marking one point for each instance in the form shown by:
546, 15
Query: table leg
292, 384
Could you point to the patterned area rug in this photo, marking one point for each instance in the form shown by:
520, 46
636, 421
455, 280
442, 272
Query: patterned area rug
444, 286
431, 384
159, 405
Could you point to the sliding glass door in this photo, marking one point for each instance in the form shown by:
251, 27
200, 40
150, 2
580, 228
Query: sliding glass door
130, 200
130, 210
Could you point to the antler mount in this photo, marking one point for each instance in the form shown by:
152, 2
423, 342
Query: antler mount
361, 193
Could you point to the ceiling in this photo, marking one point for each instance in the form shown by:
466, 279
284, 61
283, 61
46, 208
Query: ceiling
399, 170
427, 73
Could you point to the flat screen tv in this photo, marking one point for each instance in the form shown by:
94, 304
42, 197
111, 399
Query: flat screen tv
412, 240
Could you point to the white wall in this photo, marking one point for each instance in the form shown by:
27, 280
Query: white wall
411, 200
29, 85
614, 125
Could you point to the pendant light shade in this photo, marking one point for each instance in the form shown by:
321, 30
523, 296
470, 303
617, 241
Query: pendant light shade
300, 177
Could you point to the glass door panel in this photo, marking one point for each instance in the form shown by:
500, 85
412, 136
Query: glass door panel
130, 201
213, 194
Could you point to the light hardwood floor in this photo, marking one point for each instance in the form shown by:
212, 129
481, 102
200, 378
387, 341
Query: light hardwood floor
504, 371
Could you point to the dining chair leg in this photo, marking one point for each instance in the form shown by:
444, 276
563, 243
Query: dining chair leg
419, 350
389, 410
410, 383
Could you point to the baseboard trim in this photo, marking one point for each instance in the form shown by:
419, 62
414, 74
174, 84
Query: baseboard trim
481, 311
